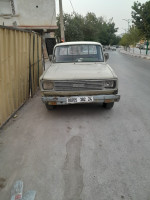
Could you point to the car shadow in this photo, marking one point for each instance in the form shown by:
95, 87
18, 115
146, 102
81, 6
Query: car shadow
80, 110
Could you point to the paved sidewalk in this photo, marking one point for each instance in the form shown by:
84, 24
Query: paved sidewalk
135, 54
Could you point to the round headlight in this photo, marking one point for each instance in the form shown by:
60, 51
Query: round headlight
48, 85
109, 84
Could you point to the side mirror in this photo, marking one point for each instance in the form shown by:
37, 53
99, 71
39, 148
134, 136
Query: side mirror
106, 56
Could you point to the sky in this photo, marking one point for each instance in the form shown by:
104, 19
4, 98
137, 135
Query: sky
116, 9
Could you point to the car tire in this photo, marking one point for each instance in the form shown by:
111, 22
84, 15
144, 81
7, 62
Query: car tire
49, 107
108, 105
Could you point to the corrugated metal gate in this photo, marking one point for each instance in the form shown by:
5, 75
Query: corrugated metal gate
20, 68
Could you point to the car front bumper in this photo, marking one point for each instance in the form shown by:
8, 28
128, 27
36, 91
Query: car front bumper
58, 100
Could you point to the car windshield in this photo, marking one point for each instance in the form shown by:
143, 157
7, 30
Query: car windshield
78, 53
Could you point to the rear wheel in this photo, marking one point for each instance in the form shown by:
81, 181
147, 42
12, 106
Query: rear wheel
108, 105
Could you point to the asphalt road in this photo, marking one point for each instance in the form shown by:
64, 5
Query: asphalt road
83, 152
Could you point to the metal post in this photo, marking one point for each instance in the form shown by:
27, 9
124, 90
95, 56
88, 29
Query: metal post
128, 25
128, 21
61, 21
147, 44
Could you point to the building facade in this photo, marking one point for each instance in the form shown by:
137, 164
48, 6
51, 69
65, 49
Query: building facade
38, 15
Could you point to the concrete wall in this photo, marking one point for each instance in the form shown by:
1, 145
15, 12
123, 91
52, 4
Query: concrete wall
38, 13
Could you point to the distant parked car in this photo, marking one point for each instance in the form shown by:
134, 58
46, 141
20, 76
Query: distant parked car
113, 48
142, 46
137, 45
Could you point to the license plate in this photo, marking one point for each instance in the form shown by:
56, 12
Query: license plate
80, 99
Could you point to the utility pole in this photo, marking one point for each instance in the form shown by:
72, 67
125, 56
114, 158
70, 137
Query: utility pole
62, 33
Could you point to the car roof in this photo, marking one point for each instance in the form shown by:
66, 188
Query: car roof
78, 42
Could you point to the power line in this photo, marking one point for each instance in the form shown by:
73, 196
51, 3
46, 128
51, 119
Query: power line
72, 6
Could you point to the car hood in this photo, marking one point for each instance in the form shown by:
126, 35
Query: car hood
70, 71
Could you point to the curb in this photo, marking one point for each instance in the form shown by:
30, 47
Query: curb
135, 55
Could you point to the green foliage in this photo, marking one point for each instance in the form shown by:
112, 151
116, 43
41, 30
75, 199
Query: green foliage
134, 35
125, 40
141, 18
106, 34
73, 27
73, 24
88, 28
131, 38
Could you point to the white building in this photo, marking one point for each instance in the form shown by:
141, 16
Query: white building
38, 15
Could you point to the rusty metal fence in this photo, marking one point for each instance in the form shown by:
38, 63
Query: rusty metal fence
20, 68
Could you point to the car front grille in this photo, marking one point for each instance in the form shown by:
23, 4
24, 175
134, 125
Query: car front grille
78, 85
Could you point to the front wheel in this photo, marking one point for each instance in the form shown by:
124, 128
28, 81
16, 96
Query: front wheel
49, 107
108, 105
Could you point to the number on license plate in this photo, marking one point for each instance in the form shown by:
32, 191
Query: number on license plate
80, 99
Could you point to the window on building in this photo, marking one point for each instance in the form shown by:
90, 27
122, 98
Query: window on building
7, 7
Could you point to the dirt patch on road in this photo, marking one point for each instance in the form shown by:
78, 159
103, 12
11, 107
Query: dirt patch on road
73, 172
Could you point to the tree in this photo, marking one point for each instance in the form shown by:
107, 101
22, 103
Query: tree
134, 35
141, 18
74, 28
125, 40
88, 28
131, 38
73, 24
